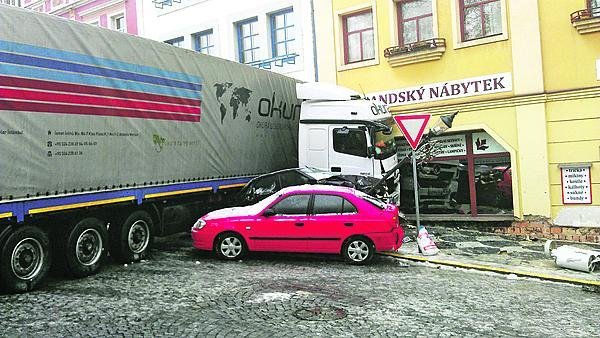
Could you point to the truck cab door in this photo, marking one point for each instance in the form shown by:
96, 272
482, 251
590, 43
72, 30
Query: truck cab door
348, 151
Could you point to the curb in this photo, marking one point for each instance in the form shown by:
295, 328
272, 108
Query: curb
576, 281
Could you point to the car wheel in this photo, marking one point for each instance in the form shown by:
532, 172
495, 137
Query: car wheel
358, 250
25, 259
85, 247
131, 240
230, 246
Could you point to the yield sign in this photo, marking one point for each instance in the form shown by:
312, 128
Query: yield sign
412, 127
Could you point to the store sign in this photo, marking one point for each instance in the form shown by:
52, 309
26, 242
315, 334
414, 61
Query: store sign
488, 84
452, 145
576, 185
483, 143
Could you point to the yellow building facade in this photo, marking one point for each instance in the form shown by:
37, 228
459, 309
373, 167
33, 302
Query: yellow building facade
524, 76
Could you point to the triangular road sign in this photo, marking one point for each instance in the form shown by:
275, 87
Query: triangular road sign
412, 127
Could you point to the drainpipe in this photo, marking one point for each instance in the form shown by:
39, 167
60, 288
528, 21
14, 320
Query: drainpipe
314, 41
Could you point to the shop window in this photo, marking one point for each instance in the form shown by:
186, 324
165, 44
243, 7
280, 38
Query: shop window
471, 175
480, 18
415, 21
247, 33
118, 23
282, 33
359, 40
203, 42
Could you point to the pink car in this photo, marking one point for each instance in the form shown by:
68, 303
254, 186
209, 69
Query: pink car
308, 218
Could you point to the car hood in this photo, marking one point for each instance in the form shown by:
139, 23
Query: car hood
231, 212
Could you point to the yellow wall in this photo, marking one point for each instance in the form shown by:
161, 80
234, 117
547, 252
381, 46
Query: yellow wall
552, 115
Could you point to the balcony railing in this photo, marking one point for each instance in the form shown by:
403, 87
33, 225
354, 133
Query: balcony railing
278, 61
161, 3
415, 46
585, 14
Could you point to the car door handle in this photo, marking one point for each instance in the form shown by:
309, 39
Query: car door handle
299, 224
336, 169
348, 224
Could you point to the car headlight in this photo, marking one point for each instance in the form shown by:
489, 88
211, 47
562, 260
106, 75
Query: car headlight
200, 223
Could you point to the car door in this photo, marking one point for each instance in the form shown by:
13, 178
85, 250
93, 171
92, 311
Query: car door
331, 221
284, 231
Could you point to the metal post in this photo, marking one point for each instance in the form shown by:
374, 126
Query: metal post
416, 184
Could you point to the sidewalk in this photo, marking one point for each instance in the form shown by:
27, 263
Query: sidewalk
508, 254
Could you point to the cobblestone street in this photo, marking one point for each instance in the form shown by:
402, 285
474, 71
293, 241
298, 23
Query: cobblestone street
182, 292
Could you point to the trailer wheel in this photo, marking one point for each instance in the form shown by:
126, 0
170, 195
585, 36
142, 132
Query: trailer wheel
25, 259
132, 239
85, 247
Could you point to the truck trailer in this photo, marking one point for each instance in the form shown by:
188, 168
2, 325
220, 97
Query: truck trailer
108, 140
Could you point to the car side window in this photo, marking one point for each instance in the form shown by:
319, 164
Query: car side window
292, 205
331, 204
350, 141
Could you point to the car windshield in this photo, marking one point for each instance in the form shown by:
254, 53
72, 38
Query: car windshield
385, 142
258, 207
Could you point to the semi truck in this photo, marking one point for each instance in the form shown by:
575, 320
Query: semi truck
108, 140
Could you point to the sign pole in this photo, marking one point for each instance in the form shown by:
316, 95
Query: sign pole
416, 185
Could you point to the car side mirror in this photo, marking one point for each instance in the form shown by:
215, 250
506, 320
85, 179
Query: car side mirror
269, 213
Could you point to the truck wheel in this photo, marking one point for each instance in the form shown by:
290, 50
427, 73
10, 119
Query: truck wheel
132, 239
85, 247
25, 259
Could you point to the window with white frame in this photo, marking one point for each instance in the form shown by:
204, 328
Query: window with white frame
11, 2
480, 18
415, 21
177, 42
359, 40
57, 3
118, 23
247, 33
282, 33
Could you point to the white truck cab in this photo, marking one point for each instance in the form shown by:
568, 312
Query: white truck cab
342, 132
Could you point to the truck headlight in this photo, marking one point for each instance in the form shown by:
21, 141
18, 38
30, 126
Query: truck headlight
200, 223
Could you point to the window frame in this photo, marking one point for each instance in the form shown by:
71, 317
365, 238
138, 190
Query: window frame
175, 40
114, 19
344, 202
400, 21
480, 4
339, 38
458, 43
285, 28
346, 34
594, 11
197, 38
255, 44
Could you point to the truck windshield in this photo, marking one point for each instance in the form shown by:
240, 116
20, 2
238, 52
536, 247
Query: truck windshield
385, 141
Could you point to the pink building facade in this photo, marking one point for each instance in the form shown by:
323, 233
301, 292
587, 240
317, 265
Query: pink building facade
119, 15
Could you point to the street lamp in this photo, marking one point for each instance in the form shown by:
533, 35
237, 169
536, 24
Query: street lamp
443, 124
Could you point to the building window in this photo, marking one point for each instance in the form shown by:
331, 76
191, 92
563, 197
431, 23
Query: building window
594, 6
480, 18
118, 23
56, 3
415, 21
203, 42
177, 42
282, 33
359, 40
248, 40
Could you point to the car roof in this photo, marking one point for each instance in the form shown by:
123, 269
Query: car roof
317, 188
